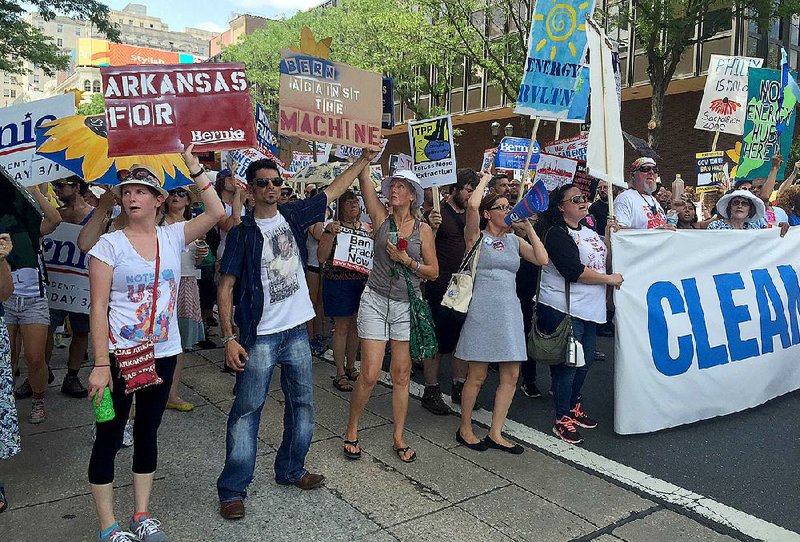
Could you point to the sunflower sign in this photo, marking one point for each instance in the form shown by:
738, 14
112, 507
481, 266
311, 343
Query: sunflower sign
723, 106
18, 126
432, 151
554, 74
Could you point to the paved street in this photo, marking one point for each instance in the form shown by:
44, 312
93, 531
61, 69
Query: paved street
450, 493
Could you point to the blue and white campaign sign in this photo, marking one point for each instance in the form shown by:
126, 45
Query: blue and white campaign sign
264, 134
512, 152
704, 336
554, 65
18, 125
67, 270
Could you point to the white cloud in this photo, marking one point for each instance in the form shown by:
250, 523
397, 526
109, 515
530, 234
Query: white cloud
211, 26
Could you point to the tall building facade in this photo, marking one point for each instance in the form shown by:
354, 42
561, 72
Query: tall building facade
136, 28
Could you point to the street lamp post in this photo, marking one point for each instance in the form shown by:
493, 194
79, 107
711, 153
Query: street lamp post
495, 126
509, 130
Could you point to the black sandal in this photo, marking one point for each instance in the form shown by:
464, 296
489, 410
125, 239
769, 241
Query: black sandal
341, 383
3, 500
352, 455
352, 374
401, 451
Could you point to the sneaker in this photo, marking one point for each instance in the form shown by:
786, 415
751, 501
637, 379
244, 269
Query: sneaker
24, 390
455, 393
72, 386
148, 529
127, 435
530, 390
432, 401
580, 417
38, 413
116, 535
565, 430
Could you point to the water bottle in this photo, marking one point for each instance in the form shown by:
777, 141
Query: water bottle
677, 187
104, 412
672, 217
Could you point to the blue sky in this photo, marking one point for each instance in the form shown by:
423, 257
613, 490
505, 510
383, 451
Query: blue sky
213, 14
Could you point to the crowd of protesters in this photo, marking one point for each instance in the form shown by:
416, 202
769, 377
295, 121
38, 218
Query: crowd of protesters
160, 261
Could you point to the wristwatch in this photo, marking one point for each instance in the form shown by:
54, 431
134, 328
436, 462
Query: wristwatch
196, 175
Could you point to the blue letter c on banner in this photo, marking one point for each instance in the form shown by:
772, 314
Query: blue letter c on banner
659, 332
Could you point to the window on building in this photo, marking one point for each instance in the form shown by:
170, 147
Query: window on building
151, 26
36, 79
60, 42
96, 86
13, 93
141, 25
6, 79
77, 30
60, 28
87, 85
6, 93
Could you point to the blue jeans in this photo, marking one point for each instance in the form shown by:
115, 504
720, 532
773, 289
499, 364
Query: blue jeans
567, 382
289, 348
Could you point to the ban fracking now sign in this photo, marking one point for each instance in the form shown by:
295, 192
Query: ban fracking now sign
162, 109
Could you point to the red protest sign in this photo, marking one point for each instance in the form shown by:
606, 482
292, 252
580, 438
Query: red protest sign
158, 109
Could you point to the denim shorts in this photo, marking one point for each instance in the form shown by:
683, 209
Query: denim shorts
381, 318
78, 321
26, 310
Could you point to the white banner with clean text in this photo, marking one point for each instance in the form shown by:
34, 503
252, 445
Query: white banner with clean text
707, 324
67, 270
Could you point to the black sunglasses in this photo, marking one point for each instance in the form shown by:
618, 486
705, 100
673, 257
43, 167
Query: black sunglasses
500, 208
261, 183
647, 169
577, 199
180, 193
742, 202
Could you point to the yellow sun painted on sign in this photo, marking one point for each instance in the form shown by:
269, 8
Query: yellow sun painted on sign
561, 22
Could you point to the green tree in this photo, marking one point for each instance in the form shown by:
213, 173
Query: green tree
375, 35
665, 29
20, 41
95, 106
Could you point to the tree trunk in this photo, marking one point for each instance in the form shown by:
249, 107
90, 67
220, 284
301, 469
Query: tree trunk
656, 114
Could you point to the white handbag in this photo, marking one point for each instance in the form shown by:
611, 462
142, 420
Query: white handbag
459, 289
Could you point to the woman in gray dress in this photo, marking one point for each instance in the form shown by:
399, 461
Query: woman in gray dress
493, 301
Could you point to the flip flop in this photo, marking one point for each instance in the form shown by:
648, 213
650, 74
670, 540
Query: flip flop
401, 451
352, 455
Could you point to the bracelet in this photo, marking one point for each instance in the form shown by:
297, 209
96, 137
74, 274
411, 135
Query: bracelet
419, 264
196, 175
206, 187
229, 338
106, 365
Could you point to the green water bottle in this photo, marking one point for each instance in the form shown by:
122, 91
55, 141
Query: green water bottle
104, 412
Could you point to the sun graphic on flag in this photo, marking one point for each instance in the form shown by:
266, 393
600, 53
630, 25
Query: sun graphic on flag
561, 22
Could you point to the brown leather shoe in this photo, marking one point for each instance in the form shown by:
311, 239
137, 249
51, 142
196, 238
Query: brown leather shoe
232, 509
310, 481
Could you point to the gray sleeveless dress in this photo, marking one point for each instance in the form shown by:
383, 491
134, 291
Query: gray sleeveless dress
493, 330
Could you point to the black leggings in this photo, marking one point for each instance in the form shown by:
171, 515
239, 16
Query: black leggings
150, 405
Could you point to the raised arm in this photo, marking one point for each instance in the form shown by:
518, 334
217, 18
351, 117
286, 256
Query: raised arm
52, 218
227, 223
769, 184
534, 250
346, 177
472, 230
377, 212
789, 180
96, 225
206, 220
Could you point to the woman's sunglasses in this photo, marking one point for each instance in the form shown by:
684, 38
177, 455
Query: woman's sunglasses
179, 193
577, 199
740, 203
261, 183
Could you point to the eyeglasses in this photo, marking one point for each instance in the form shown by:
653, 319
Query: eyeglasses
263, 182
500, 208
647, 169
740, 202
577, 199
180, 193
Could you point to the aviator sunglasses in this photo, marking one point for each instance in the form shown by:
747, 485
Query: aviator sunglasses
261, 183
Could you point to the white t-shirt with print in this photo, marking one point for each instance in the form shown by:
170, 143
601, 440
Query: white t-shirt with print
286, 300
130, 303
638, 211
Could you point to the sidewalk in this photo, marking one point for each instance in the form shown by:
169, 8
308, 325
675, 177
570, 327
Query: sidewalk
449, 493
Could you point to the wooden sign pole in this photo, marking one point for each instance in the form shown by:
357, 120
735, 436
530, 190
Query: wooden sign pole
525, 172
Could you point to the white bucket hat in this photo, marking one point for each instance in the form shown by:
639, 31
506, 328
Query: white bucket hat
406, 175
138, 174
758, 205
